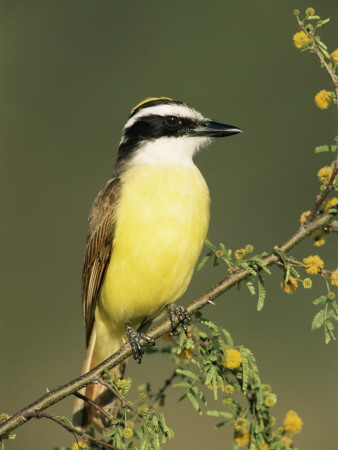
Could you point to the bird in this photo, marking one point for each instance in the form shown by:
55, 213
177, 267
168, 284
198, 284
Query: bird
147, 227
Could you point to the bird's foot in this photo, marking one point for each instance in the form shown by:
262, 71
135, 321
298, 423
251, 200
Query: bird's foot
134, 338
178, 315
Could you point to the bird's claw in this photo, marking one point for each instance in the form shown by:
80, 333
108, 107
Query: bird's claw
134, 338
178, 315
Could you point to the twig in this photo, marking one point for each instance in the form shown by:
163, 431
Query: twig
124, 402
93, 404
85, 436
61, 392
322, 197
167, 383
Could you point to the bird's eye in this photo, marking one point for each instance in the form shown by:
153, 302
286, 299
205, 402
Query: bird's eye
172, 121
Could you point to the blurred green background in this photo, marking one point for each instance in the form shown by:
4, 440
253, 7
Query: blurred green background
71, 72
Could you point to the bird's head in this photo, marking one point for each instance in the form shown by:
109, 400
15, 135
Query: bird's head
166, 131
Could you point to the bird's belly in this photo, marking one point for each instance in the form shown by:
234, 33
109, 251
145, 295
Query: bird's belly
161, 223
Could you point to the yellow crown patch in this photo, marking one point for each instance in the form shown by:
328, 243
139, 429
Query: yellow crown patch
149, 99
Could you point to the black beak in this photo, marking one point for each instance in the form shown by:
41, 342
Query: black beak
209, 128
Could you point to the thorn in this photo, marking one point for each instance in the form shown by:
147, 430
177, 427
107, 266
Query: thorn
211, 302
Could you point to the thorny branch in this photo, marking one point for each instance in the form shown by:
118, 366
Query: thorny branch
84, 436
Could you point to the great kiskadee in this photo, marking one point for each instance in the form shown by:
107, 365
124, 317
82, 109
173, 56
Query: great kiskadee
147, 227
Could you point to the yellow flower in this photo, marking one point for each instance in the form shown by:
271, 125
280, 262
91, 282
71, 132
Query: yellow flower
240, 424
330, 203
313, 264
292, 422
334, 278
211, 388
219, 253
186, 353
290, 286
229, 389
309, 11
242, 434
80, 446
168, 337
324, 174
127, 433
263, 447
240, 253
242, 438
304, 216
249, 248
270, 401
300, 40
318, 238
286, 441
234, 359
334, 57
323, 99
307, 283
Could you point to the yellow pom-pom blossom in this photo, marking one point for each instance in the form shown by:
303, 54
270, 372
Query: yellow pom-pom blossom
127, 433
334, 57
290, 286
318, 239
270, 401
186, 353
286, 440
330, 203
234, 359
292, 422
304, 216
229, 389
334, 278
307, 283
313, 264
240, 253
323, 99
324, 174
242, 437
80, 446
265, 446
300, 40
167, 337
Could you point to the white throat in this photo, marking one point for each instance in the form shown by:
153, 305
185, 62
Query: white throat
169, 151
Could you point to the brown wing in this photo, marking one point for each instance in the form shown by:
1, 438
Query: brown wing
98, 249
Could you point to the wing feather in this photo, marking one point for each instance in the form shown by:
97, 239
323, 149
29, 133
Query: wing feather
99, 247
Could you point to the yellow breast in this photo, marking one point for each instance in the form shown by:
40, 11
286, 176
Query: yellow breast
161, 222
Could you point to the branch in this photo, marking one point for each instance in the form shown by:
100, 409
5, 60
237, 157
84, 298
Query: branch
85, 436
163, 327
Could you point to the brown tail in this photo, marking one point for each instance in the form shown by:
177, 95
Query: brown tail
85, 414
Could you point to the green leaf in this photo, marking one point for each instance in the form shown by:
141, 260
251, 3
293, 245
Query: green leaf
261, 292
228, 338
320, 301
333, 148
318, 320
186, 373
215, 413
211, 246
251, 287
194, 402
199, 394
204, 260
246, 266
182, 384
245, 371
313, 18
322, 148
65, 420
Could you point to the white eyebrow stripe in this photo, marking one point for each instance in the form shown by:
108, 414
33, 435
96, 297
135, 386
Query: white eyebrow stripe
165, 110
